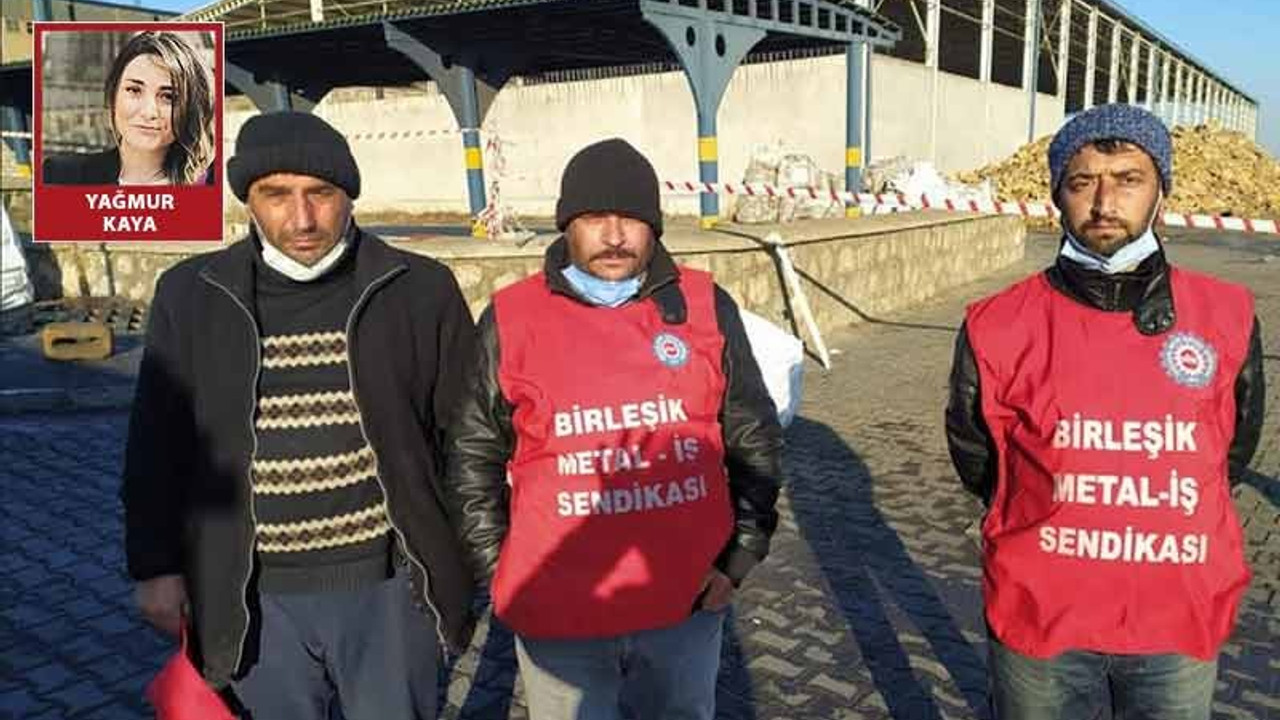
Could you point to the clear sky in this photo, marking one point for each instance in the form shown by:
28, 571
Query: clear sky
1235, 38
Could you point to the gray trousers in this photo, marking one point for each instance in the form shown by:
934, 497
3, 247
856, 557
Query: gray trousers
367, 654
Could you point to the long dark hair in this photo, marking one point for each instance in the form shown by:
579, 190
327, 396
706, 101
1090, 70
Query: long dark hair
192, 150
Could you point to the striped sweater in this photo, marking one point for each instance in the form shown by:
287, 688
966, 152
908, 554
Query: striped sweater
320, 512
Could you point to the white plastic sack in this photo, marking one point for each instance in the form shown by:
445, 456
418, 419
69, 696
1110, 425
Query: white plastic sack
780, 356
924, 179
15, 288
762, 169
801, 172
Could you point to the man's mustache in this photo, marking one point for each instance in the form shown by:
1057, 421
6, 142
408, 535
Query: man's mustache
614, 255
1104, 220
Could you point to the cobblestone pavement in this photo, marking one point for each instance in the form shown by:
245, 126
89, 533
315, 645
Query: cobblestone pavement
869, 606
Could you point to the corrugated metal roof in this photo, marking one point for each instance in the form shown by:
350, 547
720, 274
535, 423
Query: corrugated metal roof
252, 17
1113, 7
255, 18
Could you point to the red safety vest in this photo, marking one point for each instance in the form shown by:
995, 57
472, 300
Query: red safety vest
1111, 528
619, 497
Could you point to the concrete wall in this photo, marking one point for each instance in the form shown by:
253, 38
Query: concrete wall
976, 124
852, 270
411, 154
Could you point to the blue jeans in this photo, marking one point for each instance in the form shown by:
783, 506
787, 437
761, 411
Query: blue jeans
1075, 685
669, 673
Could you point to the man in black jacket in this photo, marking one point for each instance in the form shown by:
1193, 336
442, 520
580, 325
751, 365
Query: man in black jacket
282, 472
617, 459
1101, 410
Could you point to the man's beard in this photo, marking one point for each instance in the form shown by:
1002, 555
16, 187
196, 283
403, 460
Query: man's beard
1107, 247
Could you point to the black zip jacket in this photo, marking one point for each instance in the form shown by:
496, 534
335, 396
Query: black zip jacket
482, 439
187, 491
1146, 294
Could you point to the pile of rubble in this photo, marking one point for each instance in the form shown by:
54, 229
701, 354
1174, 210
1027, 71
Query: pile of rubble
774, 167
1216, 172
1022, 176
1222, 172
770, 165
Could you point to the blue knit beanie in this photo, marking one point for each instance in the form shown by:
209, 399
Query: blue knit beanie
1127, 123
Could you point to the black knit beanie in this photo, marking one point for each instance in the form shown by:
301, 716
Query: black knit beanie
610, 176
292, 142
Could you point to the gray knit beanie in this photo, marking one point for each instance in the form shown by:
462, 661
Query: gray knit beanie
1126, 123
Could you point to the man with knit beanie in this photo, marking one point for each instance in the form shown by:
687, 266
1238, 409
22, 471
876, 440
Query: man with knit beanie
616, 460
285, 445
1102, 410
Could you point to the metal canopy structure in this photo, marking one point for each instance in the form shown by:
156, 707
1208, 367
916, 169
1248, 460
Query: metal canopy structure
519, 37
814, 18
291, 53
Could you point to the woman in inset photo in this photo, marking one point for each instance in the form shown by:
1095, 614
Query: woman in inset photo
161, 107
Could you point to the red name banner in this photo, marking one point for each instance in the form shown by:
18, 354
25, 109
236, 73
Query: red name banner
123, 213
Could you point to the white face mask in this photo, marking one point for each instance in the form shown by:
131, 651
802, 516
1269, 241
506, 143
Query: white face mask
598, 291
296, 271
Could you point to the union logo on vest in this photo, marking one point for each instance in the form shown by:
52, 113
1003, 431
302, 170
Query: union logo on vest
670, 350
1189, 360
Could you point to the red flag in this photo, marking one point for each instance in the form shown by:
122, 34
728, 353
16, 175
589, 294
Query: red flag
178, 692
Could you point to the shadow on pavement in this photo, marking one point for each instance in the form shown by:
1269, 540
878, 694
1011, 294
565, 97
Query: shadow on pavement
1268, 486
864, 315
877, 586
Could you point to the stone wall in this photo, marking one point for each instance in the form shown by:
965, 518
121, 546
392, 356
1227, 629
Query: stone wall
852, 270
868, 276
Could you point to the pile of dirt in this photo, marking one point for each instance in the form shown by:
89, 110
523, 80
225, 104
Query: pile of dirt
1021, 176
1215, 171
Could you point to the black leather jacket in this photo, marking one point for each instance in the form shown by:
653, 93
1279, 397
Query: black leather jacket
482, 438
1145, 292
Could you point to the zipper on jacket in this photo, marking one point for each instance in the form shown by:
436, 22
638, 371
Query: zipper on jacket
377, 463
253, 432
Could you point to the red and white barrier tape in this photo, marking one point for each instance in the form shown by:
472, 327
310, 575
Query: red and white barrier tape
914, 202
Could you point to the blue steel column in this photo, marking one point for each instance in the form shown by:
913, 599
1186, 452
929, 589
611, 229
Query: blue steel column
267, 95
854, 67
469, 97
280, 93
15, 121
708, 166
712, 41
474, 158
709, 52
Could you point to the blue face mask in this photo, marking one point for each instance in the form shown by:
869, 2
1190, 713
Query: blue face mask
606, 293
1122, 260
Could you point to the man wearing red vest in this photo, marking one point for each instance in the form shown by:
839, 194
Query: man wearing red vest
617, 460
1101, 410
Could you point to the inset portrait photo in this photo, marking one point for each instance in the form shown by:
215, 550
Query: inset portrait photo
128, 131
